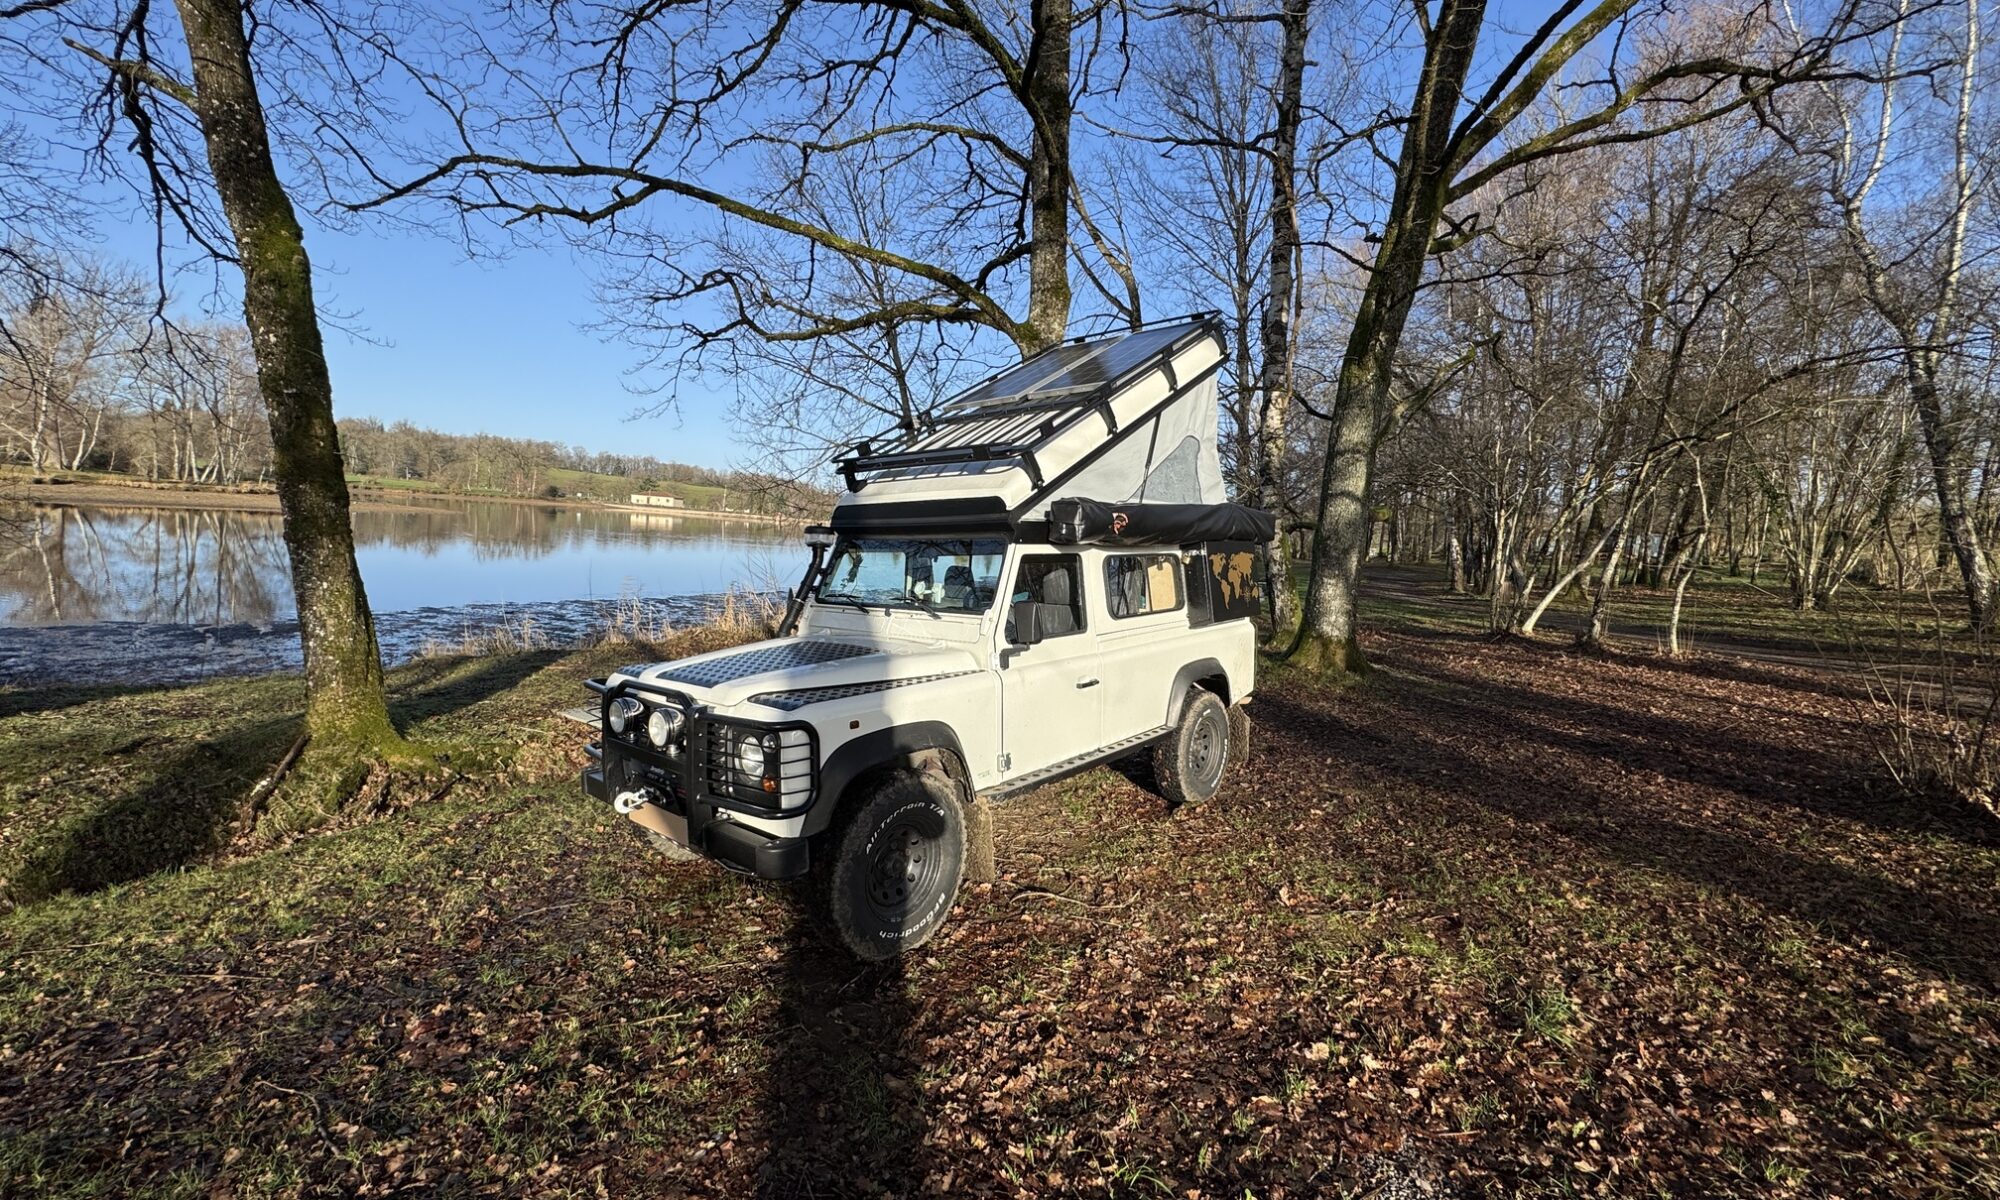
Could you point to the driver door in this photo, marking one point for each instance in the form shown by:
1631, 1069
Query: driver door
1051, 697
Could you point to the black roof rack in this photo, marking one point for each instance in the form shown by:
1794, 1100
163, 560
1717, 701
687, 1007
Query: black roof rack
1009, 417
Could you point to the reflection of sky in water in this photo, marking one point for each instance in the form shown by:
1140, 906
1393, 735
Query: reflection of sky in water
63, 566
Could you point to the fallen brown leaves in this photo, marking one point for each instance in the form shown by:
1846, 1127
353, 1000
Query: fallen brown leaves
1502, 921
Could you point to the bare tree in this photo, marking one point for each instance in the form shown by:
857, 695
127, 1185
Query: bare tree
966, 114
188, 100
65, 325
1452, 152
1909, 242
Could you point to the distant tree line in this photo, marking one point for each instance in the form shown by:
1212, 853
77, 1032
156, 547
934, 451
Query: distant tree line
87, 382
483, 462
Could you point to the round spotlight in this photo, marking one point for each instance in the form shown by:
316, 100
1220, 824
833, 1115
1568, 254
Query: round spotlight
624, 710
663, 727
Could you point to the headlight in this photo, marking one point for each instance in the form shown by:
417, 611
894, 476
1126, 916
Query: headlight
753, 751
623, 711
770, 768
663, 727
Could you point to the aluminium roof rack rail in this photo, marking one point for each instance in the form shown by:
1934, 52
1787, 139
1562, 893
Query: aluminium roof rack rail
1019, 411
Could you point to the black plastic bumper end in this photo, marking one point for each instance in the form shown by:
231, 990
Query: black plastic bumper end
734, 846
754, 854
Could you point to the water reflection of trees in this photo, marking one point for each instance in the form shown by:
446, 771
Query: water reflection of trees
65, 565
531, 531
72, 565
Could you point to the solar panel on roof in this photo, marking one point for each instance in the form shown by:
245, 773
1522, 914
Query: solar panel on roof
1028, 378
1078, 366
1010, 418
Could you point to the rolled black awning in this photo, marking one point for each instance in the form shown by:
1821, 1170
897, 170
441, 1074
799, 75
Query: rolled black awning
1077, 521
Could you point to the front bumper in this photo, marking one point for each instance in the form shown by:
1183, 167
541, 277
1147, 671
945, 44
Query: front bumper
735, 846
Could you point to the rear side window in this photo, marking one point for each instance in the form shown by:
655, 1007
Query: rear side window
1137, 584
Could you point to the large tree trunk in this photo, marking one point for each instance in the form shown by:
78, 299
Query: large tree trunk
345, 705
1361, 404
1326, 638
1280, 302
1049, 174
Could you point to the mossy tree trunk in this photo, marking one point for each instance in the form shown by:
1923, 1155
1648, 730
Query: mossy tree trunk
1361, 405
345, 704
1050, 176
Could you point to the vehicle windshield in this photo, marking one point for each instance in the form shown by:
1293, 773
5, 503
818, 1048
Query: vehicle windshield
957, 575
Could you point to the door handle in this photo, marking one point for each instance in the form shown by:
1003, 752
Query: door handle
1086, 683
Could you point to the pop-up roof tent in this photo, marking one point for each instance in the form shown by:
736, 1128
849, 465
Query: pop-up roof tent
1126, 420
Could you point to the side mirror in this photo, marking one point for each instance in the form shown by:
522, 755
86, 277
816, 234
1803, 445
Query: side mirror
1026, 618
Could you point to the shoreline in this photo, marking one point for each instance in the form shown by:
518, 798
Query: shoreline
37, 656
97, 492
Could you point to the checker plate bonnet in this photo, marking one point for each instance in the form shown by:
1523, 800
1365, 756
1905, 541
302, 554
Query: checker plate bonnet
760, 660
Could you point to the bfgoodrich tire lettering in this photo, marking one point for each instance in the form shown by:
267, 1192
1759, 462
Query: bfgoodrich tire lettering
1189, 762
891, 866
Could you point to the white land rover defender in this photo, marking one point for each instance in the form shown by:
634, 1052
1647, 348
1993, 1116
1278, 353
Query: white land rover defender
1041, 577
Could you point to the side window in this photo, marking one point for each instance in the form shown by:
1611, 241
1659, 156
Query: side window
1137, 584
1055, 583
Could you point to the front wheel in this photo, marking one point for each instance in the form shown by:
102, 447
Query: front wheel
1189, 762
891, 866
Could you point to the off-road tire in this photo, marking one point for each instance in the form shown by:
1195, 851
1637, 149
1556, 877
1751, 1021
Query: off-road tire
1239, 736
1189, 762
887, 873
668, 848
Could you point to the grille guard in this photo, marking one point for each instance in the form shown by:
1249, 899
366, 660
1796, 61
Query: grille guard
690, 778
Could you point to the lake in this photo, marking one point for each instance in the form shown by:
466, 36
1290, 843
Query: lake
188, 593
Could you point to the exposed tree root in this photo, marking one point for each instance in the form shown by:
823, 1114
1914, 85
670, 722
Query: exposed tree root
345, 782
1321, 655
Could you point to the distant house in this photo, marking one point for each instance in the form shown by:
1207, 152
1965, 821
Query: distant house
650, 500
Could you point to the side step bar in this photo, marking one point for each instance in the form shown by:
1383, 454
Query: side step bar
1075, 766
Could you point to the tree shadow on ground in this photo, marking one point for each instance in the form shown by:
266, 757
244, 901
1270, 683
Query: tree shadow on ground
1419, 755
843, 1104
177, 804
173, 807
458, 684
1715, 754
22, 702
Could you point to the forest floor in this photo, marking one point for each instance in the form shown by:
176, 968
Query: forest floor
1501, 919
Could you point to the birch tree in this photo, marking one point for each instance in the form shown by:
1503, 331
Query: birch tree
1909, 239
1454, 147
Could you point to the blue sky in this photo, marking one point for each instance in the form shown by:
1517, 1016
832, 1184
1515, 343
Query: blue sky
486, 346
499, 346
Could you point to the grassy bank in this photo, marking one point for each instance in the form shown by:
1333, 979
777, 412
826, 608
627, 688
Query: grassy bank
1500, 921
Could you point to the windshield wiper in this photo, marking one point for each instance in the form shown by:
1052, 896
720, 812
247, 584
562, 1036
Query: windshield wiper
920, 602
837, 598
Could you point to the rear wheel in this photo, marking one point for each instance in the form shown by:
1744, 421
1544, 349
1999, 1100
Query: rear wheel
1189, 762
1239, 736
891, 866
